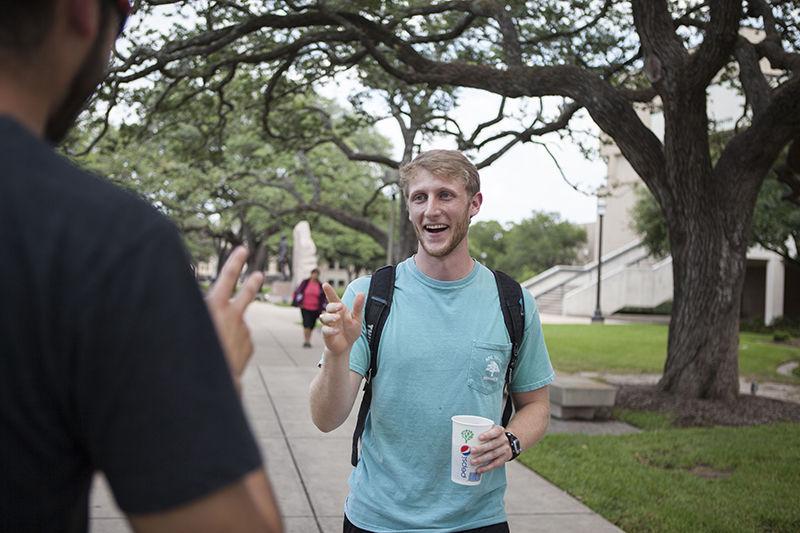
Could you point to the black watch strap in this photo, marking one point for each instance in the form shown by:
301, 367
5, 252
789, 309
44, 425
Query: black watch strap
516, 447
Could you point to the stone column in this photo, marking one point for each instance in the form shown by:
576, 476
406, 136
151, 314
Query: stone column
773, 295
304, 253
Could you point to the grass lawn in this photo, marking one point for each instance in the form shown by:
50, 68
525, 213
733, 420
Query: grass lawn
699, 479
642, 348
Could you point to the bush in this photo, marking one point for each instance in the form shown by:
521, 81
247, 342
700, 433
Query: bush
781, 336
661, 309
790, 326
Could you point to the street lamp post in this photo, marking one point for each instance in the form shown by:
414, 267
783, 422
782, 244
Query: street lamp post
390, 244
601, 210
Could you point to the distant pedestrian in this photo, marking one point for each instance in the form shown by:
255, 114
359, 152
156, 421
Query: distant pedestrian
311, 300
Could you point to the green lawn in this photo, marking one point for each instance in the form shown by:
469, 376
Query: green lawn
642, 348
700, 479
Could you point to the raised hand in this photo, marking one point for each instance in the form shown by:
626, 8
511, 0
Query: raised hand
340, 326
228, 314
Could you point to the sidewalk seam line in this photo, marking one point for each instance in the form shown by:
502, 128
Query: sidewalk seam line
291, 452
279, 343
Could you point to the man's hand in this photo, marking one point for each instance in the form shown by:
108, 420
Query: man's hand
228, 314
340, 327
529, 424
494, 450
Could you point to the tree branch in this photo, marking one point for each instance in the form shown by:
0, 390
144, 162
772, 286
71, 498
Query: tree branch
780, 250
753, 151
663, 51
511, 45
718, 43
752, 78
561, 122
575, 31
771, 47
609, 109
364, 225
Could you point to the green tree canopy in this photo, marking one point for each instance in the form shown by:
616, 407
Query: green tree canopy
528, 247
224, 183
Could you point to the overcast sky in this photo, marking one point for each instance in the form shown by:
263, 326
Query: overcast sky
525, 178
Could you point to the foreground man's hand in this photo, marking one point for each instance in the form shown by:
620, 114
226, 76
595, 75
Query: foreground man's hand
228, 314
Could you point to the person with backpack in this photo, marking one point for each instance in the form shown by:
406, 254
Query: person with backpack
429, 338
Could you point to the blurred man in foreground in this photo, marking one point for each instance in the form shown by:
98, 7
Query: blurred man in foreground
109, 358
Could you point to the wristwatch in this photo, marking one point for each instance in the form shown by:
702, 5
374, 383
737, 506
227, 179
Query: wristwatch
516, 447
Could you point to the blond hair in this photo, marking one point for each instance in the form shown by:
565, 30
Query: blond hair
450, 164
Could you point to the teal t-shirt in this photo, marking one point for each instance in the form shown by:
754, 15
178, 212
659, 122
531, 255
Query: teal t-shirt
434, 362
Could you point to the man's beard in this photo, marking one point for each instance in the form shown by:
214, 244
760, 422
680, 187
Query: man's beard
81, 89
459, 231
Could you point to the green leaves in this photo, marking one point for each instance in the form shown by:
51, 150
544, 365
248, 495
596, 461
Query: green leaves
775, 221
526, 248
648, 222
224, 182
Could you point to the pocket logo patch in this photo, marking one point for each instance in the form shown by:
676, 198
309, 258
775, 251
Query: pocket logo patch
492, 371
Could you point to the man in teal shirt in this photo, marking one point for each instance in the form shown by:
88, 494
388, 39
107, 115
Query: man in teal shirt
444, 325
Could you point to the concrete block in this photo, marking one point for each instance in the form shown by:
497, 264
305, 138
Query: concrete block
581, 398
580, 413
571, 413
281, 291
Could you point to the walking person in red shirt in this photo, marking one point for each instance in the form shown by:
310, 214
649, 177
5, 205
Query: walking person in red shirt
311, 300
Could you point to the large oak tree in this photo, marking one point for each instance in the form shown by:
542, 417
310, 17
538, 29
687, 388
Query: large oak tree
600, 56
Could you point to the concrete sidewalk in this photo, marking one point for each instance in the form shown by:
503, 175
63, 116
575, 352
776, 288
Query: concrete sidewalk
309, 469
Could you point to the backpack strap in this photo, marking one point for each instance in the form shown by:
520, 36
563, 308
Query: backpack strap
513, 307
376, 311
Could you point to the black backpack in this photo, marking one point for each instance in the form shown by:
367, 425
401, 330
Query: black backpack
379, 301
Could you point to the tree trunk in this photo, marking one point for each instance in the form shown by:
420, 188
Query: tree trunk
708, 216
708, 263
257, 260
223, 251
406, 242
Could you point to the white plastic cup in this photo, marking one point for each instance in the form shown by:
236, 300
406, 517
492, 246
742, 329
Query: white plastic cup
466, 429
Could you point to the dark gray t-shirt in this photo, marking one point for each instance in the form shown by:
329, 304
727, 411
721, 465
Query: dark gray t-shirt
108, 357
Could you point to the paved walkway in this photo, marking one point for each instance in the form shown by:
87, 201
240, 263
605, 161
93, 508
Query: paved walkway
309, 469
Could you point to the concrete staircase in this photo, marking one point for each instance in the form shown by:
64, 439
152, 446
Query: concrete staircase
552, 301
630, 278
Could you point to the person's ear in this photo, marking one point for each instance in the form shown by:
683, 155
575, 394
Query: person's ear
475, 204
83, 16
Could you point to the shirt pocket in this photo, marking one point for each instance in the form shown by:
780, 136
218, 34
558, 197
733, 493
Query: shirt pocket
488, 362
